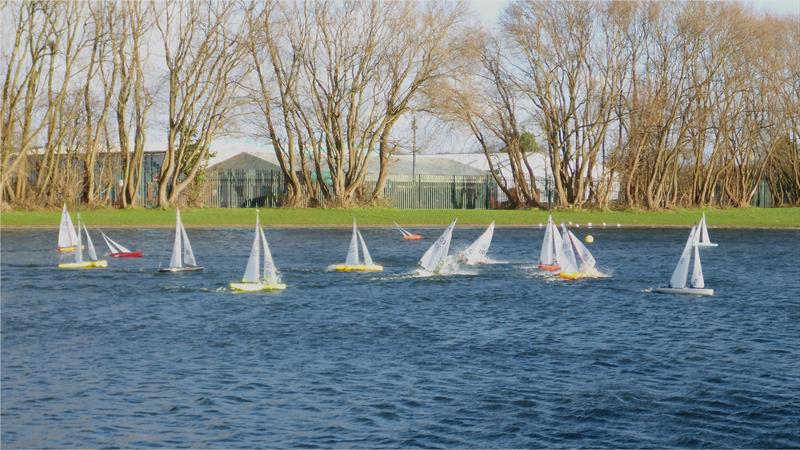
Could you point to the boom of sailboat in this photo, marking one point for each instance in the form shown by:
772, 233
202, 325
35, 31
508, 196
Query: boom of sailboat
561, 253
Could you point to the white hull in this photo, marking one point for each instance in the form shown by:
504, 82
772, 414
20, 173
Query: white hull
256, 287
684, 291
706, 245
180, 269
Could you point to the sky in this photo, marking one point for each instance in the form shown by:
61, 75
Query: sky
487, 11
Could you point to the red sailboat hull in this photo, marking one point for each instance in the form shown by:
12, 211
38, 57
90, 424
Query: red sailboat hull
127, 255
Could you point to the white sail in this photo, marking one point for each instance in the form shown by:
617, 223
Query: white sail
558, 246
568, 264
67, 237
176, 261
402, 230
78, 244
90, 245
704, 231
476, 252
365, 251
114, 246
586, 261
109, 243
270, 271
434, 258
546, 255
188, 254
252, 272
681, 272
697, 271
352, 251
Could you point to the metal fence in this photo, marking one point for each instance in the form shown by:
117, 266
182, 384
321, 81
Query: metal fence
266, 188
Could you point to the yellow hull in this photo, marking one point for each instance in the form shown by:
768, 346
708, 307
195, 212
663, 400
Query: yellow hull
257, 287
571, 275
358, 268
68, 249
84, 265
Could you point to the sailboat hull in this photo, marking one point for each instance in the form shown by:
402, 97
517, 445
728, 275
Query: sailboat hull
549, 267
179, 269
127, 255
412, 237
571, 275
706, 245
68, 249
358, 268
684, 291
84, 265
257, 287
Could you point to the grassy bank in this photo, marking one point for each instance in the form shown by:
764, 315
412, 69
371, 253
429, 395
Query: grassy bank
750, 217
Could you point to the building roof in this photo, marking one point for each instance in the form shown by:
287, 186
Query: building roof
399, 164
426, 165
244, 161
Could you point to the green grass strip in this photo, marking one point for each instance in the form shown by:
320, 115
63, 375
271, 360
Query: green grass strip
210, 217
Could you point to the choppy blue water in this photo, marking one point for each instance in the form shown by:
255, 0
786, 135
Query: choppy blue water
499, 358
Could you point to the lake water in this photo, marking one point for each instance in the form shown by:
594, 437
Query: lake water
499, 357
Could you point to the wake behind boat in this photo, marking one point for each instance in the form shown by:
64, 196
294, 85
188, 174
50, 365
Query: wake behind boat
435, 258
259, 275
79, 262
678, 283
182, 259
355, 263
476, 252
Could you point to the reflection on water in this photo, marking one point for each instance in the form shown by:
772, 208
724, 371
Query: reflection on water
498, 355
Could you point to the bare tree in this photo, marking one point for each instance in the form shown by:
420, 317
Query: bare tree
202, 49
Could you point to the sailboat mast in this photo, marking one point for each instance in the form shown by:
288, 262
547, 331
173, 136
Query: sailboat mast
177, 251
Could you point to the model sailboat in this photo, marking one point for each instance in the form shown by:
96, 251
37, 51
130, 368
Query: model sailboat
476, 252
678, 283
67, 237
260, 273
548, 259
354, 262
701, 237
182, 259
578, 262
79, 262
116, 250
407, 235
435, 258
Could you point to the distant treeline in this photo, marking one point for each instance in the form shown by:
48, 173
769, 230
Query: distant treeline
665, 103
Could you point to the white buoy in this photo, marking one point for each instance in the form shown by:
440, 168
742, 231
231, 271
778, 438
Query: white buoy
577, 225
540, 225
589, 225
619, 225
604, 224
588, 239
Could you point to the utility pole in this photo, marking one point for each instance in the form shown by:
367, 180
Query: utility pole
414, 156
414, 146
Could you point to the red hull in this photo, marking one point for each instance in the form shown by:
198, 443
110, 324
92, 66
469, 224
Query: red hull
127, 255
549, 267
413, 237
